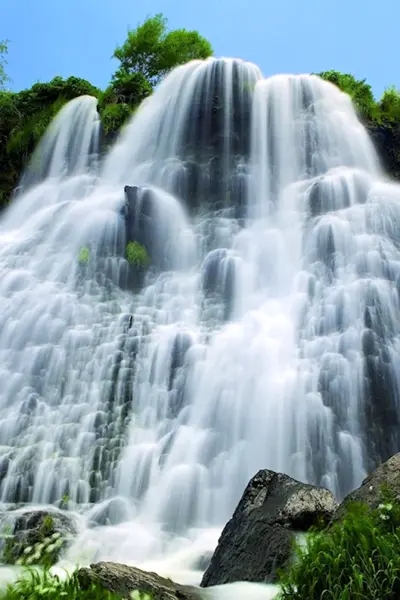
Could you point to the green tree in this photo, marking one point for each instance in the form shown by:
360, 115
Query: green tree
153, 51
3, 61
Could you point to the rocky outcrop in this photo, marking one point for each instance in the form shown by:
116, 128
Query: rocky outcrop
258, 540
124, 580
385, 477
386, 139
35, 536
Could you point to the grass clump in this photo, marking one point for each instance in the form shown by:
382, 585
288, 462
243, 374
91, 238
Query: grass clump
136, 254
35, 585
84, 256
354, 559
43, 585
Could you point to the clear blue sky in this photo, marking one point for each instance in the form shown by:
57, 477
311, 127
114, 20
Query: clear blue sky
77, 37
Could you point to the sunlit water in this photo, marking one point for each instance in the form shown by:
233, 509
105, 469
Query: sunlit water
265, 333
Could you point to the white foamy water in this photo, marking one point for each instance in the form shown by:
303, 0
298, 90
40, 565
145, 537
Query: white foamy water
264, 334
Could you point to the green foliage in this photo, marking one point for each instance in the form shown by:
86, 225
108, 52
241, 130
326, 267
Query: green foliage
127, 88
136, 254
149, 52
389, 106
152, 51
3, 61
84, 256
25, 136
358, 90
35, 585
24, 117
114, 116
354, 559
42, 547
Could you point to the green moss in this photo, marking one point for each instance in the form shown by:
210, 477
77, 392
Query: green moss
136, 254
84, 256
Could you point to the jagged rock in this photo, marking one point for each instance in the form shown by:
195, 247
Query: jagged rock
124, 580
387, 475
45, 533
386, 139
257, 541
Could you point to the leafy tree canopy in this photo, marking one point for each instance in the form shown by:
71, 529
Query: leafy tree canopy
153, 51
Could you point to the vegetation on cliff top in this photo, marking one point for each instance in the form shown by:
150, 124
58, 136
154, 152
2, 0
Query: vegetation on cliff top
148, 53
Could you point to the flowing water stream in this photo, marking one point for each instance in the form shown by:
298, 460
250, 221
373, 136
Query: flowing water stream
264, 333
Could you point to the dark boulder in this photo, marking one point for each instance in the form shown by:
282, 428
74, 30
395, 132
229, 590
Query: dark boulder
123, 580
258, 539
386, 477
36, 536
386, 139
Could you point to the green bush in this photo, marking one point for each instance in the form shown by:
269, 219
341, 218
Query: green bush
355, 559
136, 254
126, 88
114, 116
389, 106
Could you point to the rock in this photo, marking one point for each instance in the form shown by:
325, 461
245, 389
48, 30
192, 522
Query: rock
257, 541
124, 580
45, 532
386, 139
387, 475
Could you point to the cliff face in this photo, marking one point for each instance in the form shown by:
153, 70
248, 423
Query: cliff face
387, 143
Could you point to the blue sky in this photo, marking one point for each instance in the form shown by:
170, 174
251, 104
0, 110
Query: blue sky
77, 37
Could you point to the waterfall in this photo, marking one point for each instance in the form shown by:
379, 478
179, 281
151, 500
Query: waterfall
264, 333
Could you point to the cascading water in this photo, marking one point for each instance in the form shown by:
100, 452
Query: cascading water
264, 333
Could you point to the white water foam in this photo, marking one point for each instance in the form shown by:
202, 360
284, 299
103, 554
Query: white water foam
255, 340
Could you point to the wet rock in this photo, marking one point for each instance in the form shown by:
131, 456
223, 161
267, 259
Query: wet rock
387, 475
257, 541
124, 580
36, 536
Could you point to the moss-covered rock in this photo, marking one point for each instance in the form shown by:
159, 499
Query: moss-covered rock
36, 536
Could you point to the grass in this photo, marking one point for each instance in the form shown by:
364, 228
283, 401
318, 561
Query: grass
354, 559
35, 585
43, 585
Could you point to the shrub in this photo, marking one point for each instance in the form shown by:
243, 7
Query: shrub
114, 116
390, 106
355, 559
136, 254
